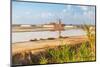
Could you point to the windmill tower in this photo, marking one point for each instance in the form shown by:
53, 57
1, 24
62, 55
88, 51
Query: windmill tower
60, 28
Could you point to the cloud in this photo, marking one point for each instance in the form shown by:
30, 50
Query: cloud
68, 14
74, 10
46, 15
90, 12
27, 13
68, 7
64, 10
84, 8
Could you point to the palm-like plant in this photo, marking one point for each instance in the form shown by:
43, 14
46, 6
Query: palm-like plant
91, 38
90, 35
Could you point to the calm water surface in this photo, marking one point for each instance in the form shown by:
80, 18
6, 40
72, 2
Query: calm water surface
26, 36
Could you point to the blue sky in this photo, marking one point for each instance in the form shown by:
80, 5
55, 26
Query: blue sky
42, 13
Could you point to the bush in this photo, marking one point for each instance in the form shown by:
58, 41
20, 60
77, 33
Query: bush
60, 54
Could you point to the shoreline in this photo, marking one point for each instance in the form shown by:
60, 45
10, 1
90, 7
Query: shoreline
37, 46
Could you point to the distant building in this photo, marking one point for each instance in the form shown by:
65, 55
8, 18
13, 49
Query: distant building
48, 25
25, 25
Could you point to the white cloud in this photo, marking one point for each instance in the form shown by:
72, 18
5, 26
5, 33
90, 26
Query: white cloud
47, 15
27, 12
84, 8
68, 7
89, 12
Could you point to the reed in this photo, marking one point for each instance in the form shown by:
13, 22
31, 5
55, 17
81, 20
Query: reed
61, 54
84, 51
89, 34
91, 37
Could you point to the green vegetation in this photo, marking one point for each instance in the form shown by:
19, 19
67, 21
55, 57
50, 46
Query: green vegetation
84, 51
90, 35
61, 54
43, 60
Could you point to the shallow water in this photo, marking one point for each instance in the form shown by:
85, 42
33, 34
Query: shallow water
26, 36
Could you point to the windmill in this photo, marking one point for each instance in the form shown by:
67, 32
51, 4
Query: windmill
59, 27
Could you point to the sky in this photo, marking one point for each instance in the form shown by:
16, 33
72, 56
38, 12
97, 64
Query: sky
44, 13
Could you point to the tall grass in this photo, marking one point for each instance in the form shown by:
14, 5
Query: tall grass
61, 54
84, 51
91, 37
89, 34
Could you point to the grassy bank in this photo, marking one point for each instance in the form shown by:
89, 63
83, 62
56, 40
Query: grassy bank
59, 54
84, 51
